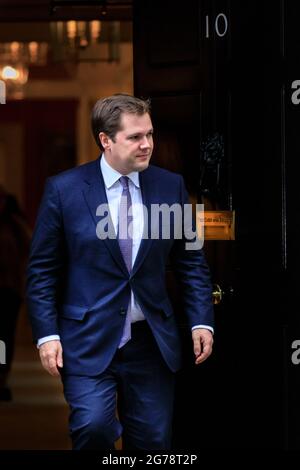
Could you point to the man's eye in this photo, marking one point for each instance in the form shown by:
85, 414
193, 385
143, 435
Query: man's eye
134, 137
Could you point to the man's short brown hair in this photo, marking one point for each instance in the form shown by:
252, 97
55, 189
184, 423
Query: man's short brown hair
106, 114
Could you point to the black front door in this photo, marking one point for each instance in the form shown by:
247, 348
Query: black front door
215, 73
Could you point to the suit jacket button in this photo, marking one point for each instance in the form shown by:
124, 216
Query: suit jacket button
122, 311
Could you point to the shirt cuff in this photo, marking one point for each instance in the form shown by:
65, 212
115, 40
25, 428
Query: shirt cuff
206, 327
47, 338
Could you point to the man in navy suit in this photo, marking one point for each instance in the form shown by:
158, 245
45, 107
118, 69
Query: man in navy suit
97, 298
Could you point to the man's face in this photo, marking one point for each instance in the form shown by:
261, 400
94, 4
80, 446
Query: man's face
133, 144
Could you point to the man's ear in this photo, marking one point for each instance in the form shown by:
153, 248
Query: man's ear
105, 140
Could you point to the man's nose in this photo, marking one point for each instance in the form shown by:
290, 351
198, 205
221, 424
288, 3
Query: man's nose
145, 143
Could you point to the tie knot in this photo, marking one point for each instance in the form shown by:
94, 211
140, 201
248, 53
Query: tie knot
124, 181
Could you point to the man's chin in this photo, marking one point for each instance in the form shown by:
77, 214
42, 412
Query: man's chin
142, 165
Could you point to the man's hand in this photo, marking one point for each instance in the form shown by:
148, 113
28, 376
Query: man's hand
51, 356
203, 341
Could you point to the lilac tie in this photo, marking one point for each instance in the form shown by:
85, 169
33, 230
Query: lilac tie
125, 243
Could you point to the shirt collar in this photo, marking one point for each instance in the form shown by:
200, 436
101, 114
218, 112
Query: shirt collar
110, 175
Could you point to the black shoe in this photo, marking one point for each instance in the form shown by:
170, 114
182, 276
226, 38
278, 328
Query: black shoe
5, 394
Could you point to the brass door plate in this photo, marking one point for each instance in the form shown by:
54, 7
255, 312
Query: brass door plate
218, 225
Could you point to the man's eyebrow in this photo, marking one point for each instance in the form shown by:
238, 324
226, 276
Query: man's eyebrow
141, 133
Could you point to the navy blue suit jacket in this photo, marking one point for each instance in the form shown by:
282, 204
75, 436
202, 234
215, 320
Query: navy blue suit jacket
78, 285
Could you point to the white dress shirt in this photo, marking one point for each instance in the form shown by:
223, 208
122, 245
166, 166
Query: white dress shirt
114, 189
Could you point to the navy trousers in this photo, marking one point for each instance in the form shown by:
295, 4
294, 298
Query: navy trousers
139, 384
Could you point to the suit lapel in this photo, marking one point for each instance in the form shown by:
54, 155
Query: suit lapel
95, 195
149, 197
